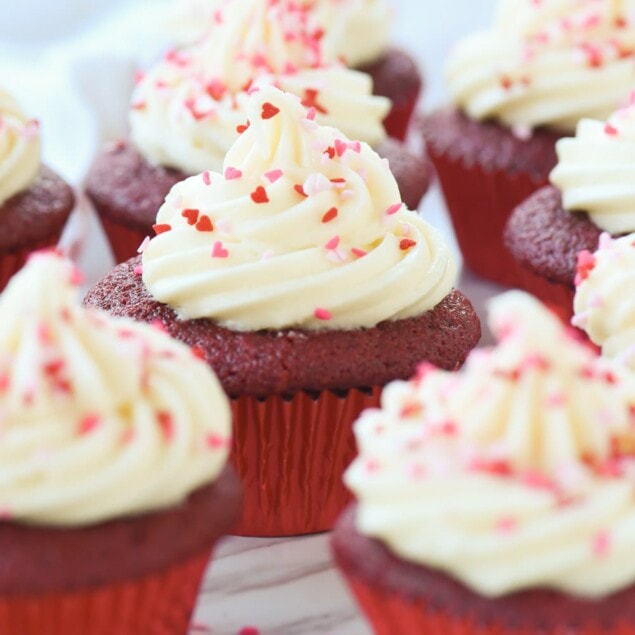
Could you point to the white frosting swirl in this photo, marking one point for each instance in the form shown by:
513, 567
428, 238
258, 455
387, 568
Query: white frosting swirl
305, 228
99, 417
516, 472
547, 63
185, 110
19, 149
604, 306
357, 31
596, 171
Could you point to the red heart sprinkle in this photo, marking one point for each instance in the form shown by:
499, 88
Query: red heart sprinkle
161, 228
259, 195
406, 243
330, 215
269, 110
300, 190
191, 215
205, 224
240, 129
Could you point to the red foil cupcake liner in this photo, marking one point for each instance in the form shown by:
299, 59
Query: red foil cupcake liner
479, 203
158, 604
290, 455
124, 241
12, 261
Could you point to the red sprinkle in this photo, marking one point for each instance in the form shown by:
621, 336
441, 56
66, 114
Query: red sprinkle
242, 127
198, 352
165, 420
249, 630
216, 441
586, 263
330, 215
207, 177
269, 110
259, 195
205, 224
310, 100
322, 314
360, 253
161, 228
88, 424
191, 215
406, 243
610, 130
300, 190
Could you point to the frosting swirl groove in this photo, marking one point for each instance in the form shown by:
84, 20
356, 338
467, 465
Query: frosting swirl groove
516, 472
19, 148
99, 417
547, 63
304, 228
186, 109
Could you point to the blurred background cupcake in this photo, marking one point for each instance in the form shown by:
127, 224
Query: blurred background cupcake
516, 88
307, 285
498, 499
189, 108
34, 202
113, 485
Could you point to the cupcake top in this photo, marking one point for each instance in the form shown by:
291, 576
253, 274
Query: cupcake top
186, 110
547, 63
355, 31
596, 170
516, 472
604, 305
99, 417
304, 228
19, 148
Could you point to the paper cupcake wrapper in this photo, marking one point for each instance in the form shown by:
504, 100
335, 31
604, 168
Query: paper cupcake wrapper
290, 456
124, 241
391, 613
479, 204
398, 119
158, 604
12, 261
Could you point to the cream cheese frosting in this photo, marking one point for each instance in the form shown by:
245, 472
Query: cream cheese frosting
547, 63
356, 31
516, 472
186, 109
19, 148
596, 171
99, 417
304, 228
604, 305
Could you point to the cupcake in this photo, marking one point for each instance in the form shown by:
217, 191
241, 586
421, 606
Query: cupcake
303, 280
498, 499
591, 193
34, 202
517, 88
113, 485
604, 305
190, 107
354, 31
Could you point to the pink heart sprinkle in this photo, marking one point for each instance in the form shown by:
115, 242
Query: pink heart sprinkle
219, 251
273, 175
232, 173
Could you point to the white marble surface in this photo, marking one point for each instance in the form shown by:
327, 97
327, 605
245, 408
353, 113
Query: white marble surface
61, 59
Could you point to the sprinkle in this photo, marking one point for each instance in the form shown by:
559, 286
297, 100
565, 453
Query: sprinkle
216, 441
207, 177
393, 209
330, 215
359, 253
310, 101
498, 467
215, 89
259, 195
506, 82
161, 228
166, 422
322, 314
232, 173
269, 110
219, 251
5, 381
137, 270
330, 152
157, 325
411, 409
406, 243
586, 263
310, 115
88, 424
506, 524
273, 175
44, 335
191, 215
139, 105
537, 480
601, 543
332, 243
248, 630
300, 190
610, 130
204, 224
198, 352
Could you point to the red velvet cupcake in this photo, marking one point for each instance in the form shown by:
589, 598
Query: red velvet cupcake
112, 464
189, 108
34, 202
306, 284
498, 500
592, 193
516, 89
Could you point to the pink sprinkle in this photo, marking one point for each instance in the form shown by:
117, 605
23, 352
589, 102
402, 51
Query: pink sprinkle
219, 251
310, 115
359, 253
372, 465
88, 424
322, 314
506, 524
166, 422
143, 245
44, 333
393, 209
601, 543
273, 175
157, 325
138, 270
207, 178
536, 480
340, 147
216, 442
248, 630
332, 243
610, 130
232, 173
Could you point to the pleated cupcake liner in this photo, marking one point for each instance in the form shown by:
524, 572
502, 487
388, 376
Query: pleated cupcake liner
398, 119
124, 241
161, 603
290, 455
12, 261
